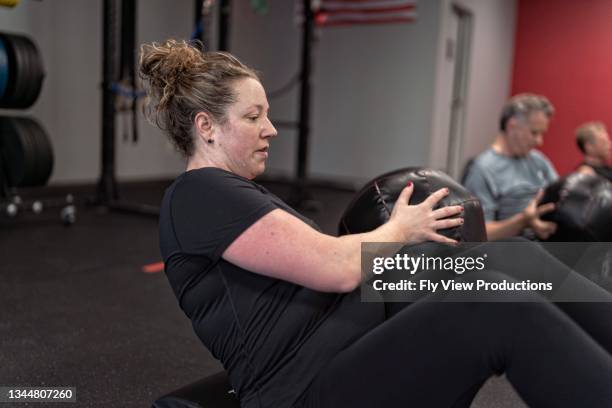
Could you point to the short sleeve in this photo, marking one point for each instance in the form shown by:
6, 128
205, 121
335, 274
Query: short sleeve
477, 184
551, 173
210, 208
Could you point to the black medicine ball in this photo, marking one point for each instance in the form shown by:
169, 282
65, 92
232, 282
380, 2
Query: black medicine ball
583, 208
373, 204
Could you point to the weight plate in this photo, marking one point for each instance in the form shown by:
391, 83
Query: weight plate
33, 76
12, 151
25, 72
20, 98
7, 97
22, 65
43, 152
38, 71
29, 153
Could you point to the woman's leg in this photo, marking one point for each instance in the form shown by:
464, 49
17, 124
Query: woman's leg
537, 264
433, 354
524, 260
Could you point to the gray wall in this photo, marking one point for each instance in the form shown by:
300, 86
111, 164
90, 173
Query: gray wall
376, 88
373, 89
491, 73
374, 105
489, 77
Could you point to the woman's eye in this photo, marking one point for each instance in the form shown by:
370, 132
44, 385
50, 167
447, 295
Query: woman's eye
253, 118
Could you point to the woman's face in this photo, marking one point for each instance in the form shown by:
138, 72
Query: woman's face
245, 136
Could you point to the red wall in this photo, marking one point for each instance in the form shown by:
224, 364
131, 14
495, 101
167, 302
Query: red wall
563, 50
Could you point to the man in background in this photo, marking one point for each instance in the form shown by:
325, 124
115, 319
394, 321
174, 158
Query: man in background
509, 176
594, 143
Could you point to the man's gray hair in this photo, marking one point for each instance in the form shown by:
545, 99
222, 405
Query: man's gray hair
522, 105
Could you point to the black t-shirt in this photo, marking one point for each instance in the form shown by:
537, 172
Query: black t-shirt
272, 336
603, 171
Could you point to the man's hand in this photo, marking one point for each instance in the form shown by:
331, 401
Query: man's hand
532, 214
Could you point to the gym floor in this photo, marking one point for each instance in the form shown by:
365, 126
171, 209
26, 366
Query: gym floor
78, 310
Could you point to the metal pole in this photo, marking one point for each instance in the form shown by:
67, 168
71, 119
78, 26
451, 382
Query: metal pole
299, 194
107, 185
225, 8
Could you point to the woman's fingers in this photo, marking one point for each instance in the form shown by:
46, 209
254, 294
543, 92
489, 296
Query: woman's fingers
446, 212
441, 238
436, 196
447, 223
406, 193
424, 221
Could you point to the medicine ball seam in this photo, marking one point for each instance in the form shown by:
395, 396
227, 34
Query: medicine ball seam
384, 203
343, 221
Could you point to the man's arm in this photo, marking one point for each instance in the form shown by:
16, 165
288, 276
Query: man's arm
510, 227
584, 169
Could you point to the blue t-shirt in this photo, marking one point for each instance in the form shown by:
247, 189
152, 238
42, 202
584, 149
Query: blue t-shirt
505, 185
272, 336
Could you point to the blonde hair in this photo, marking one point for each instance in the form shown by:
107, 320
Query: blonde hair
181, 81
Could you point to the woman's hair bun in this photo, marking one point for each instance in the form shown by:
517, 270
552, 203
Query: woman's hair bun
163, 66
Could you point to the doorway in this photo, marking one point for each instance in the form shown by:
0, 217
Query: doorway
458, 49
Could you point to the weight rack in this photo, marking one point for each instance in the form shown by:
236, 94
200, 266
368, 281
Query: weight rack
26, 153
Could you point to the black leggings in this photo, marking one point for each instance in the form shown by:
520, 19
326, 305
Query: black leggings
435, 354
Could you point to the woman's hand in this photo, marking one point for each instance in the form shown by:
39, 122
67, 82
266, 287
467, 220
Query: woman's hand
419, 223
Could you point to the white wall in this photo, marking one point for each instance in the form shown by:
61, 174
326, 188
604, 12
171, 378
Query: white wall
374, 102
490, 74
69, 36
271, 44
373, 89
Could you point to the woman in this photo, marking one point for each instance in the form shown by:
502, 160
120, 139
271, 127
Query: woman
275, 300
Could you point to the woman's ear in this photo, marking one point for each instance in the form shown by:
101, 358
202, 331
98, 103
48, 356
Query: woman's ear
203, 125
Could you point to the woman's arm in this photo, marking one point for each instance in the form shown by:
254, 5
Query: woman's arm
282, 246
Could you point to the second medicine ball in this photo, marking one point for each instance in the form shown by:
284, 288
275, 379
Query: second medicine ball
583, 208
373, 204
